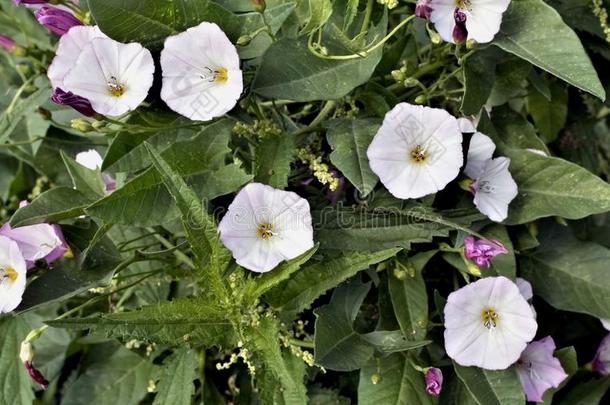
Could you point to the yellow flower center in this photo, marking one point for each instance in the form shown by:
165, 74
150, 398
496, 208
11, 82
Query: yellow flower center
8, 273
490, 318
419, 154
115, 88
221, 75
265, 231
463, 4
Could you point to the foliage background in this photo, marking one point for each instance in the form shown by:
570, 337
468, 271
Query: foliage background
152, 302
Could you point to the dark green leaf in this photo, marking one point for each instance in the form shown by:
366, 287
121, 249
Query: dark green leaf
534, 31
16, 387
87, 181
176, 383
492, 387
349, 139
52, 206
273, 157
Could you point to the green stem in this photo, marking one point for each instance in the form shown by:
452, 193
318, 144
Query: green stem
178, 253
301, 343
367, 17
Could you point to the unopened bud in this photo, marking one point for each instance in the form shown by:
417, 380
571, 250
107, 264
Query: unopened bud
470, 44
435, 38
421, 99
410, 82
26, 354
243, 40
400, 274
81, 125
97, 124
473, 268
376, 378
19, 51
23, 68
398, 75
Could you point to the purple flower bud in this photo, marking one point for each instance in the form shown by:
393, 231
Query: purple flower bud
57, 20
80, 104
482, 251
460, 33
601, 361
434, 381
19, 2
423, 9
26, 354
7, 42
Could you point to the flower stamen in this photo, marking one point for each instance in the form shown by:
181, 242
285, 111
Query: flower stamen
220, 75
419, 154
115, 88
8, 273
265, 231
490, 318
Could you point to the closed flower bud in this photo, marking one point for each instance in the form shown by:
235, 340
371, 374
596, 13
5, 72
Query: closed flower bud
376, 378
243, 40
421, 99
434, 381
81, 125
57, 20
410, 82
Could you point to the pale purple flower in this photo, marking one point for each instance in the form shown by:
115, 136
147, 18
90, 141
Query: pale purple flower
481, 251
539, 370
423, 9
19, 2
57, 20
434, 381
26, 355
525, 288
7, 42
488, 324
601, 361
80, 104
37, 242
605, 323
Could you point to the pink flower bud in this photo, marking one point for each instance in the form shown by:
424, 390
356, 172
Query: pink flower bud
26, 354
57, 20
423, 9
80, 104
601, 361
434, 381
7, 43
482, 251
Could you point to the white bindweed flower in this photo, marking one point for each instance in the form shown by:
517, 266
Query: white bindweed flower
460, 20
265, 226
70, 46
488, 324
114, 77
493, 185
494, 189
35, 242
201, 75
480, 151
417, 150
91, 159
12, 275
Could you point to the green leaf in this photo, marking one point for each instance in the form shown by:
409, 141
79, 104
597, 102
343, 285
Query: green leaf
309, 77
176, 383
87, 181
16, 388
549, 115
349, 139
399, 384
337, 345
182, 320
379, 228
511, 130
587, 393
394, 341
550, 186
283, 366
297, 293
570, 274
534, 31
409, 296
51, 206
259, 285
120, 379
479, 77
491, 387
319, 13
10, 119
200, 227
95, 261
199, 156
151, 22
273, 157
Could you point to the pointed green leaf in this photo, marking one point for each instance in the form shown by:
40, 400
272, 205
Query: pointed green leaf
16, 386
51, 206
349, 139
87, 181
273, 157
534, 31
176, 383
491, 387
